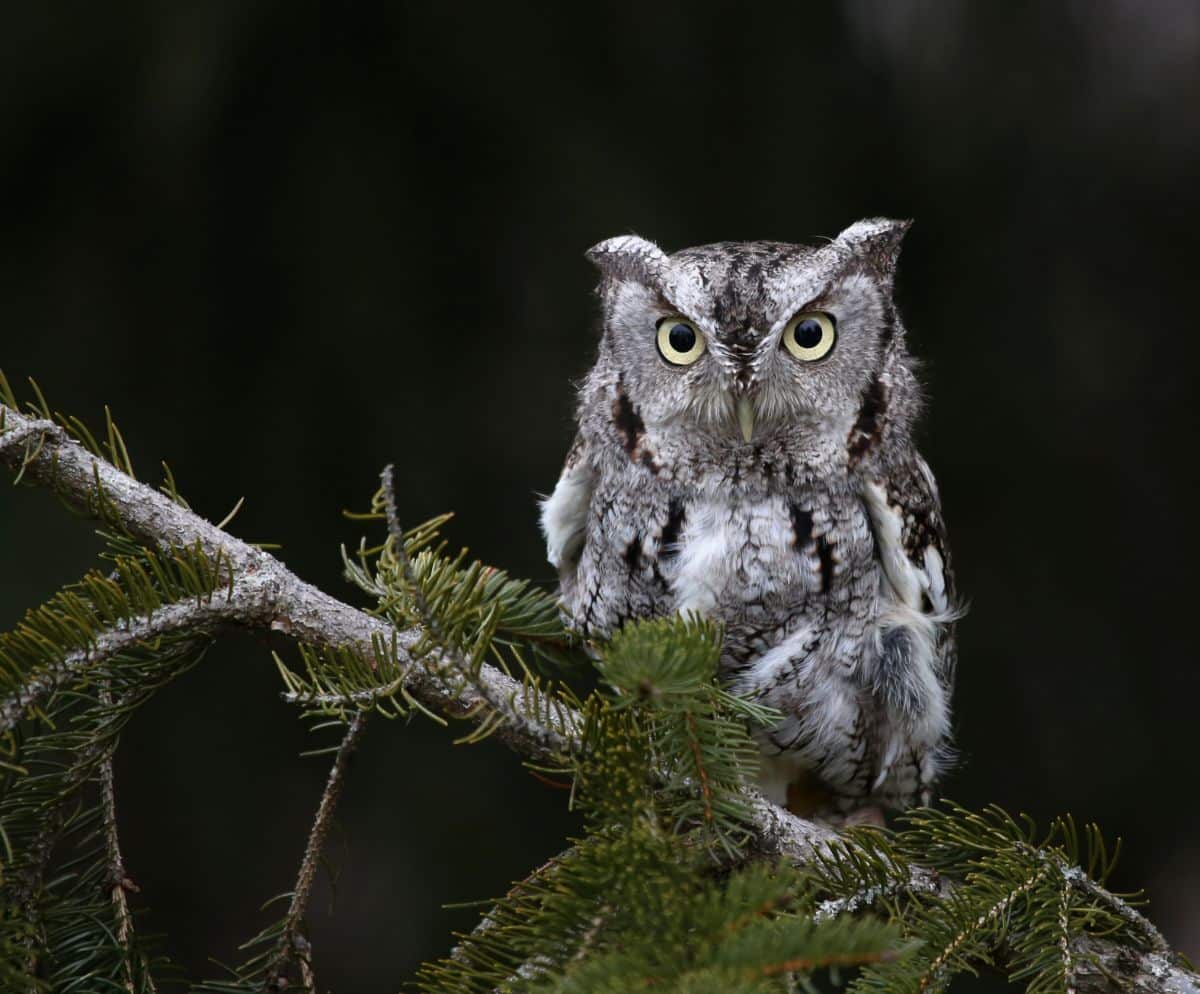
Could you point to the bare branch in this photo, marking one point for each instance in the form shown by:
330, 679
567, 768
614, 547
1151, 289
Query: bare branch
269, 596
293, 944
118, 880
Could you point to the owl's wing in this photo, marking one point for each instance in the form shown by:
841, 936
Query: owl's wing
911, 535
914, 670
910, 540
564, 514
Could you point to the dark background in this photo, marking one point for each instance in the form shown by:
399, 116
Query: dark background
288, 245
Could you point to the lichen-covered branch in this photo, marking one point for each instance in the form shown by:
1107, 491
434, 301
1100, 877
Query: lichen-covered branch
185, 616
266, 595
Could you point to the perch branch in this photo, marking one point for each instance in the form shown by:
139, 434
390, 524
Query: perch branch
269, 596
266, 594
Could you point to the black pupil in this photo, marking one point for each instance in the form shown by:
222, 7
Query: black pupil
808, 333
682, 338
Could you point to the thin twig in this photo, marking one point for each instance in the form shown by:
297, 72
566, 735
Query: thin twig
400, 551
1154, 938
452, 660
27, 878
118, 879
1064, 936
694, 743
999, 908
293, 945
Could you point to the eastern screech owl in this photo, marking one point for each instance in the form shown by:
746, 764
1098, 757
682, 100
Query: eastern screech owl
744, 451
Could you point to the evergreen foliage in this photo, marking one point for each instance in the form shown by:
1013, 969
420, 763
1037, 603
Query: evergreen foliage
662, 890
1001, 897
72, 674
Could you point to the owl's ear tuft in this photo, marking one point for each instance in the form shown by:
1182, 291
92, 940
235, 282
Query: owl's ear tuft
628, 257
877, 240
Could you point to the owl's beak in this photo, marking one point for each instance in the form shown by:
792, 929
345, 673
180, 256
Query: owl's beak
745, 413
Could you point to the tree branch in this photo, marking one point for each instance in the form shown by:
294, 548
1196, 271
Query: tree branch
183, 616
118, 881
293, 946
266, 595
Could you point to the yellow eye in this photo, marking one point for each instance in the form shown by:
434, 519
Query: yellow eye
810, 336
679, 341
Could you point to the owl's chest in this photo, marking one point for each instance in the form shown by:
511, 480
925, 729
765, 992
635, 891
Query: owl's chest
758, 560
771, 557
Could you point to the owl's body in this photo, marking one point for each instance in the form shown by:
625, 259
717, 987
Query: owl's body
776, 492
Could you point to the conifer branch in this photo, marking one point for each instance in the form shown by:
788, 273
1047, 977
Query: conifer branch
1064, 936
293, 944
992, 914
28, 880
808, 964
265, 595
118, 880
452, 661
185, 616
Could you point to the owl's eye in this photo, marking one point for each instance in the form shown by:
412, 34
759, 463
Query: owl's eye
810, 336
679, 341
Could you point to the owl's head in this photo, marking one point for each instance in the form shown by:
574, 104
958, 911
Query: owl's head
742, 340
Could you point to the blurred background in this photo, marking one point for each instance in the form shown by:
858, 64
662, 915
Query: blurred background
289, 244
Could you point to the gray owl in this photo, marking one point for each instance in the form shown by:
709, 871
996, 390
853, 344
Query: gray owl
745, 452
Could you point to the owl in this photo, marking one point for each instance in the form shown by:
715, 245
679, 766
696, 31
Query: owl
744, 451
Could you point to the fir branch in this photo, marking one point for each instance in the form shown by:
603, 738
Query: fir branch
1064, 936
13, 436
173, 619
452, 660
59, 885
954, 947
118, 880
293, 945
269, 597
801, 964
1140, 923
693, 743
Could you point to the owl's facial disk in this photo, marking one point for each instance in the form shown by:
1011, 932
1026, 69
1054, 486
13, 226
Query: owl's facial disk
744, 341
803, 371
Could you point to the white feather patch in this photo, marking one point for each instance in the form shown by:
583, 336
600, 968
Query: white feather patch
902, 585
705, 559
766, 669
564, 515
935, 572
905, 579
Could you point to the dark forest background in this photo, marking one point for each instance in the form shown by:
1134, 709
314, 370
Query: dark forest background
288, 244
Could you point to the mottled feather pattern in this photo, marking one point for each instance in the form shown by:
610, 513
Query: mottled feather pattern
818, 541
